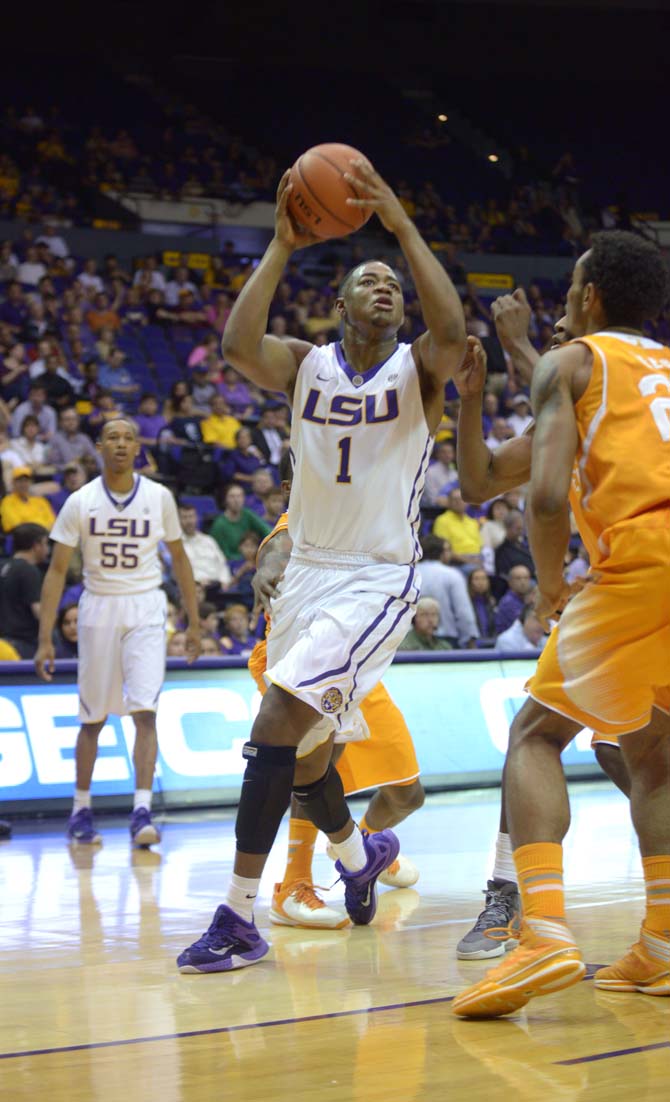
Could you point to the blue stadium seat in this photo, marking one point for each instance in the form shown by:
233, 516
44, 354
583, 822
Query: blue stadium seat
203, 504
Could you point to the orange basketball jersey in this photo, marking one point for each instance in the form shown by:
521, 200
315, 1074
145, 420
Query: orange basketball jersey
622, 466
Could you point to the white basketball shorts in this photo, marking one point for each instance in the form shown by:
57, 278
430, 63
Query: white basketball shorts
335, 629
122, 645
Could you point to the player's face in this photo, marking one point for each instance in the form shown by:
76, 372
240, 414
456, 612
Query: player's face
374, 299
561, 333
119, 447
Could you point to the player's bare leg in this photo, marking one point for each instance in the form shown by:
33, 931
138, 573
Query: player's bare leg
80, 828
612, 762
538, 812
232, 940
389, 806
646, 967
143, 831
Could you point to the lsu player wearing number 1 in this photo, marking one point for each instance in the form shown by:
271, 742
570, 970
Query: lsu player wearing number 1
118, 520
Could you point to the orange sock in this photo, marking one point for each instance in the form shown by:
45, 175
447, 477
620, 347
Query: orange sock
657, 884
301, 838
539, 869
364, 825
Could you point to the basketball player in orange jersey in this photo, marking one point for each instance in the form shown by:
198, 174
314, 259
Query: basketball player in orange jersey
365, 412
385, 760
602, 439
484, 475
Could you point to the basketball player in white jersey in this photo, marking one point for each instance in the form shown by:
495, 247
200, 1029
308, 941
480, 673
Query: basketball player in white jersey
364, 413
118, 520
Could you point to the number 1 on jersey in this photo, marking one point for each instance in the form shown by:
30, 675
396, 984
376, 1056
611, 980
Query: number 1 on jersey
345, 454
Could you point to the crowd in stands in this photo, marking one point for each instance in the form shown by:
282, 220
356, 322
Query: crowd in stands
52, 168
80, 342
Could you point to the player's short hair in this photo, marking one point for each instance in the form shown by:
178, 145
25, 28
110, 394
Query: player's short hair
25, 536
285, 467
346, 282
121, 417
630, 274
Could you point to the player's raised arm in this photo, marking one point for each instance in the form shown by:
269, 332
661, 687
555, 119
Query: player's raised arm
554, 448
269, 362
439, 351
52, 591
482, 473
511, 316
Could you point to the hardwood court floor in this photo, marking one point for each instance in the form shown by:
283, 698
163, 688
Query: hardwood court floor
93, 1009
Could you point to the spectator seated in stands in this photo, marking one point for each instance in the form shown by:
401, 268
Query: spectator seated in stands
500, 431
220, 427
14, 374
104, 314
105, 409
21, 586
423, 633
22, 507
513, 551
446, 585
519, 589
461, 530
440, 473
261, 484
525, 634
116, 378
236, 393
31, 451
237, 638
245, 457
59, 385
522, 417
185, 426
148, 419
492, 531
273, 506
207, 560
36, 403
270, 433
209, 619
244, 568
9, 458
483, 604
203, 390
70, 444
74, 477
180, 283
234, 522
176, 645
66, 639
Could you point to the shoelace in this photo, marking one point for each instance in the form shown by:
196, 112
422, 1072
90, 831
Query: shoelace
511, 929
496, 908
306, 893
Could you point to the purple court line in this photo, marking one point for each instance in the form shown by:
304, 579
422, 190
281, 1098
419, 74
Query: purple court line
238, 1028
611, 1055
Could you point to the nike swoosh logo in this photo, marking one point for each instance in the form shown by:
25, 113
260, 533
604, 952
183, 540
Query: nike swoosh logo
221, 952
366, 901
323, 378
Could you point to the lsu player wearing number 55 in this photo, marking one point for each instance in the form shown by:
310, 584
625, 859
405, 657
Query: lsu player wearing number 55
365, 410
118, 519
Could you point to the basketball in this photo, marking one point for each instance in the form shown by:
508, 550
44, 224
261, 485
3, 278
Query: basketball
318, 201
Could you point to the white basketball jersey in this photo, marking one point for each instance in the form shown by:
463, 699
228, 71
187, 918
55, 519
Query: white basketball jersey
361, 447
119, 538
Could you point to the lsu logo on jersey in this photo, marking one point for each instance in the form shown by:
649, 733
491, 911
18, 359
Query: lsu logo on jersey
349, 409
331, 701
121, 528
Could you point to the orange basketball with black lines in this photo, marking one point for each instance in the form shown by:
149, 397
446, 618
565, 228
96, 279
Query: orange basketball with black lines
318, 200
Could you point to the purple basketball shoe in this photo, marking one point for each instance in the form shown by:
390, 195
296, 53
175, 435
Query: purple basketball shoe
229, 943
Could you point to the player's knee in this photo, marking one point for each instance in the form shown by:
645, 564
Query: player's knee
145, 722
610, 760
282, 720
323, 802
535, 722
407, 797
266, 792
92, 730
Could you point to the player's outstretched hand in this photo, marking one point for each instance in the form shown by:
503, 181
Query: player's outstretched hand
376, 194
44, 661
287, 231
193, 644
470, 377
511, 315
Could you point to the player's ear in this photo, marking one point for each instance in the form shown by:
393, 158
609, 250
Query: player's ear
340, 307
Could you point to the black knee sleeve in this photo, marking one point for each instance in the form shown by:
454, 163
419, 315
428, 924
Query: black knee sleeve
323, 802
265, 795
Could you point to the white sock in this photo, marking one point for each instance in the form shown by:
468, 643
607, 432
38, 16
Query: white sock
351, 852
81, 799
142, 798
504, 868
241, 896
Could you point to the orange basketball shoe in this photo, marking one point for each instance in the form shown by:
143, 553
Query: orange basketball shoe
644, 968
546, 960
298, 905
